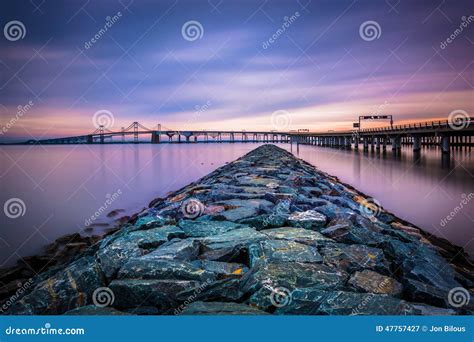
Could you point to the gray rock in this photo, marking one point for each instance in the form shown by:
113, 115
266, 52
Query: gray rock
428, 310
239, 213
66, 290
300, 235
92, 310
148, 292
292, 275
283, 250
351, 234
152, 238
350, 258
202, 229
373, 282
220, 308
156, 268
352, 303
224, 269
309, 219
342, 201
233, 239
334, 212
221, 290
187, 249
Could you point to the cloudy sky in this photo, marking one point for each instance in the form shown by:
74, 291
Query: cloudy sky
237, 63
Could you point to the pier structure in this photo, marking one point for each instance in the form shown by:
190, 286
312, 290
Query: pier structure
443, 134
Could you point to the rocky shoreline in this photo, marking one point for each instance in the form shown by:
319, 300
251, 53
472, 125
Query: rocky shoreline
265, 234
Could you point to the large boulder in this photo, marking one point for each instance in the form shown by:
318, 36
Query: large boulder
283, 250
373, 282
207, 228
309, 219
352, 303
156, 268
292, 275
220, 308
301, 235
231, 245
187, 249
131, 293
351, 258
66, 290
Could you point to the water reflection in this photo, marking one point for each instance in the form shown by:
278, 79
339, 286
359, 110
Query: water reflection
63, 185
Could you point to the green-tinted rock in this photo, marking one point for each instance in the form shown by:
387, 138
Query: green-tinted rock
92, 310
187, 249
220, 308
352, 303
208, 228
292, 275
224, 269
373, 282
300, 235
66, 290
350, 258
150, 268
283, 250
149, 292
309, 219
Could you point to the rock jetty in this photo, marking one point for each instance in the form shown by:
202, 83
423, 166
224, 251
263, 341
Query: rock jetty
265, 234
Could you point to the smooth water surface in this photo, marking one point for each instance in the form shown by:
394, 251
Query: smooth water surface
63, 186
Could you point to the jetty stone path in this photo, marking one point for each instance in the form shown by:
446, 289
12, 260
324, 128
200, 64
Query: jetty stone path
265, 234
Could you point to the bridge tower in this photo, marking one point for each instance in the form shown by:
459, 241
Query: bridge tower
101, 134
135, 132
123, 134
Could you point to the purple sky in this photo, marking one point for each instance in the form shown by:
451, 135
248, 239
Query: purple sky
317, 72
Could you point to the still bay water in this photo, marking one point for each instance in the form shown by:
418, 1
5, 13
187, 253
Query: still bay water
63, 186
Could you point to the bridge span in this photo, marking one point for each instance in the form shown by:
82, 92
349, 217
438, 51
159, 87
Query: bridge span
444, 134
435, 133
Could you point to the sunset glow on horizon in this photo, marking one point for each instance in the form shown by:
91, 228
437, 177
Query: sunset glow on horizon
249, 61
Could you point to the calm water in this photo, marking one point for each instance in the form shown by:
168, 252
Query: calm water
63, 186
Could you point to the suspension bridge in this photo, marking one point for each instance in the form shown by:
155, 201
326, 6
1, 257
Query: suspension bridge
443, 134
